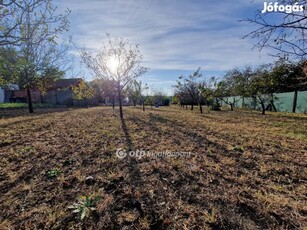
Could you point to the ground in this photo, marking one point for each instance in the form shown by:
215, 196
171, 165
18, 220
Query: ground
244, 171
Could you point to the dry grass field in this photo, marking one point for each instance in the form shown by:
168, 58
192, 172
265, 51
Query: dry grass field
245, 171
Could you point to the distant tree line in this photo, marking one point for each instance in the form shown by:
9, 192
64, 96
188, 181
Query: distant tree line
135, 93
259, 83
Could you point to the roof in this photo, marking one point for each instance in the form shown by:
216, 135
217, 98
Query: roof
19, 94
65, 83
23, 93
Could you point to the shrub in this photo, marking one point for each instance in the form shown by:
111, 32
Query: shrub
215, 107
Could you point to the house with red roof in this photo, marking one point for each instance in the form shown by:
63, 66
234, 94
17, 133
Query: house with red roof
60, 92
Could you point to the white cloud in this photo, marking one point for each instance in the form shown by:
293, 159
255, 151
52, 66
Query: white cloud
173, 34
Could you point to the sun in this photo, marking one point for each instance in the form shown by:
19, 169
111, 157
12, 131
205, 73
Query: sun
113, 64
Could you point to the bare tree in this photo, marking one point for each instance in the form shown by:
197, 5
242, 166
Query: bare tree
117, 61
234, 84
15, 13
282, 29
206, 90
135, 91
188, 89
195, 90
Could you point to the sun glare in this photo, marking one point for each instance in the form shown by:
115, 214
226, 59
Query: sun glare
113, 64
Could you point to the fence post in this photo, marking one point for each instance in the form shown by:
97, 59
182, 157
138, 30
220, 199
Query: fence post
294, 101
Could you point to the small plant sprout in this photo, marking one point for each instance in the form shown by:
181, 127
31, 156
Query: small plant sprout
53, 173
210, 216
238, 148
25, 149
85, 206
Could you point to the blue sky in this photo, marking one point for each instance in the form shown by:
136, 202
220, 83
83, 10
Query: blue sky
175, 36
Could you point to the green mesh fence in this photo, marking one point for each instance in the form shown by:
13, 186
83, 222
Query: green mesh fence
283, 102
238, 101
225, 100
249, 103
301, 106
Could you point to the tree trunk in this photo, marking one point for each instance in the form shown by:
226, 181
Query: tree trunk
254, 102
200, 108
273, 106
113, 102
294, 102
134, 103
263, 108
217, 102
30, 104
272, 102
231, 106
143, 105
121, 115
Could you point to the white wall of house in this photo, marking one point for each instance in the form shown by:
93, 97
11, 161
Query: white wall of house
1, 95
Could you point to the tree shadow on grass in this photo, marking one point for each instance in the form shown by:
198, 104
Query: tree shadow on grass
127, 135
132, 162
134, 175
